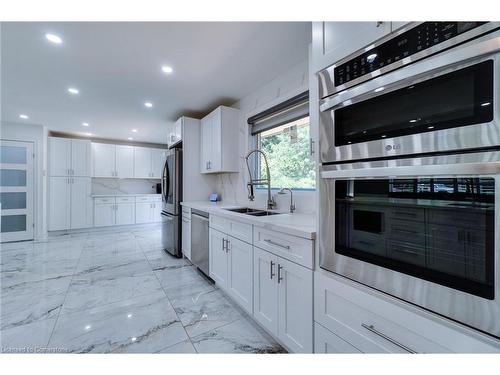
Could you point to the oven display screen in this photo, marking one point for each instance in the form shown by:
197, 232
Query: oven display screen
460, 98
437, 229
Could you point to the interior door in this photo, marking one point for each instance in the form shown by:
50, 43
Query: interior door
16, 190
265, 289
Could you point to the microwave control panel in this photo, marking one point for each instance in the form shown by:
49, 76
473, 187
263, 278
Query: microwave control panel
419, 38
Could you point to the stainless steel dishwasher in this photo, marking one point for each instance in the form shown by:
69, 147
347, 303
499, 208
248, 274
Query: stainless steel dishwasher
199, 240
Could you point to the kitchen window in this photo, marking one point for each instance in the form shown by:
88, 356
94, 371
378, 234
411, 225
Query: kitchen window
283, 134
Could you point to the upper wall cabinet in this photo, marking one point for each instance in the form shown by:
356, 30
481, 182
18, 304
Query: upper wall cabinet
69, 157
148, 162
175, 132
113, 160
332, 41
219, 141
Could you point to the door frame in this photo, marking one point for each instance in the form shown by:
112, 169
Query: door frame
28, 234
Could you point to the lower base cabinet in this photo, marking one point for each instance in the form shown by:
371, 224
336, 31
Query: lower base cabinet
125, 213
230, 266
326, 342
104, 215
186, 236
283, 300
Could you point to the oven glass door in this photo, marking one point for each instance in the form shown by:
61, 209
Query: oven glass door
436, 229
460, 98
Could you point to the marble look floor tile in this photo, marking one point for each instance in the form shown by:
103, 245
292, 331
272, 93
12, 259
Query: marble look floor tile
184, 347
204, 312
85, 293
28, 338
28, 302
241, 336
161, 260
142, 325
178, 276
104, 266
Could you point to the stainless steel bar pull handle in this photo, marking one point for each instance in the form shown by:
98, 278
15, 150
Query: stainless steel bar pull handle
277, 244
272, 270
280, 267
223, 244
372, 329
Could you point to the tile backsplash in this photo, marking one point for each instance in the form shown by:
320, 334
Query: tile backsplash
123, 186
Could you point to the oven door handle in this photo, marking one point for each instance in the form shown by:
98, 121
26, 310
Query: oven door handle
410, 74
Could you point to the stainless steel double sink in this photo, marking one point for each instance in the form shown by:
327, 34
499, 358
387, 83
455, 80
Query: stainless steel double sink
252, 211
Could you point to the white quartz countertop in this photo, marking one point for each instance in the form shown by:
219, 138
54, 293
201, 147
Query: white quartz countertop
122, 195
300, 225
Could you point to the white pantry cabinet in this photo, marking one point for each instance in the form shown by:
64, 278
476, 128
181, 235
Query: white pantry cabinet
230, 265
219, 141
70, 203
283, 300
148, 162
69, 157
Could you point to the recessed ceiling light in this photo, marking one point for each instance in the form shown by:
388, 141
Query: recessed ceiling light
53, 38
379, 89
85, 123
24, 117
430, 127
414, 120
166, 69
74, 91
134, 130
485, 104
384, 136
130, 138
148, 104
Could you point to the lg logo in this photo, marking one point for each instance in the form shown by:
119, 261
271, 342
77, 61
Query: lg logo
392, 147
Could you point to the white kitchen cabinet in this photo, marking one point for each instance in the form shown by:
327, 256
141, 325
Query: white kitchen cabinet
148, 162
104, 214
124, 213
69, 157
158, 156
124, 161
104, 157
81, 202
219, 146
59, 203
218, 258
148, 209
265, 290
70, 204
240, 272
175, 132
326, 342
283, 300
295, 306
186, 235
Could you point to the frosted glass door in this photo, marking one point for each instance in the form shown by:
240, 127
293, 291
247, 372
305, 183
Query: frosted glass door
16, 190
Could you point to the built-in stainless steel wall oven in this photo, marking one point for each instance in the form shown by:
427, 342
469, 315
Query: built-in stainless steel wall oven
410, 182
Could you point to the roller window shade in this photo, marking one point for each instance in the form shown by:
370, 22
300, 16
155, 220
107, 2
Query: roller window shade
288, 111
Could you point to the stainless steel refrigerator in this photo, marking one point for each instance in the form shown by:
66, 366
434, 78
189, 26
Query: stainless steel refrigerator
171, 184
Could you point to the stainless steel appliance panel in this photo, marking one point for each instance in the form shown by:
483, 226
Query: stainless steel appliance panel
434, 139
419, 227
172, 181
200, 240
171, 233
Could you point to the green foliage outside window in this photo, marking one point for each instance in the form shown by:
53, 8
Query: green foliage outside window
287, 150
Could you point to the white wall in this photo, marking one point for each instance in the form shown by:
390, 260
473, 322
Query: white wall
38, 135
232, 186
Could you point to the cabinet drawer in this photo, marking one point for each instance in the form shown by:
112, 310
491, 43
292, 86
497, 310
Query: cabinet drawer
457, 217
104, 200
145, 198
295, 249
219, 223
156, 198
350, 315
407, 213
402, 230
369, 322
125, 199
328, 342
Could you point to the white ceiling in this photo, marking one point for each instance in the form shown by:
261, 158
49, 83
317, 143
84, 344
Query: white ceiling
117, 66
